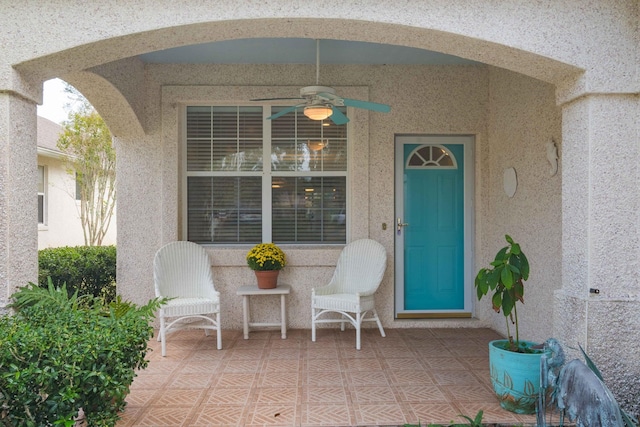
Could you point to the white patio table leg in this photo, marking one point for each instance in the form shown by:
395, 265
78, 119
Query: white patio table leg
245, 316
283, 316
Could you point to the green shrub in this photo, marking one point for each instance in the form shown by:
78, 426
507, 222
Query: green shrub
90, 270
60, 353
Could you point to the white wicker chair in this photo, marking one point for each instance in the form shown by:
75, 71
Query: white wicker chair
182, 272
357, 276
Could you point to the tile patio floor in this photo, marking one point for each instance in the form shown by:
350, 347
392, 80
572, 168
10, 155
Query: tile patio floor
411, 376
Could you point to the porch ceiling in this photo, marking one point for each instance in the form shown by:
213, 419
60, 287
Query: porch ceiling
299, 51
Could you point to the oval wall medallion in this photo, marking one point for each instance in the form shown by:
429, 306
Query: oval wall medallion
510, 181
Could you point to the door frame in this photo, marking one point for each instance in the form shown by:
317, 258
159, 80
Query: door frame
468, 142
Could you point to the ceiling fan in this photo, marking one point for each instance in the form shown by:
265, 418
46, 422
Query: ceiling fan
320, 102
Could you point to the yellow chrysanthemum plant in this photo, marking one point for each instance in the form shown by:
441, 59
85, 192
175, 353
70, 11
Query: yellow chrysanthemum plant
266, 257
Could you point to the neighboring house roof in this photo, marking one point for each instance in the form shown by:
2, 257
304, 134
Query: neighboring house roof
48, 134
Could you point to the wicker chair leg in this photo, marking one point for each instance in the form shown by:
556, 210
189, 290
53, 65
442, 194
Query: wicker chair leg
379, 323
358, 326
218, 331
313, 323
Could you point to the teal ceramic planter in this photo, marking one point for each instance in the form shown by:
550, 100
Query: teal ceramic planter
515, 376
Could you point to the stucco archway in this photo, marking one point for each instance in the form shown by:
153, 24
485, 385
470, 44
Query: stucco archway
114, 59
457, 40
122, 114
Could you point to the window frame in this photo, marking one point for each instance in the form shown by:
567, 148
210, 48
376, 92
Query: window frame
170, 185
267, 174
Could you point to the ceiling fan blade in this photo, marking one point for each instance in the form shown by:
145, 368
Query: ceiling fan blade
338, 117
273, 99
285, 111
373, 106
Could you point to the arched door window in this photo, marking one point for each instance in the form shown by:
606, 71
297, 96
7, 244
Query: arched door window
432, 157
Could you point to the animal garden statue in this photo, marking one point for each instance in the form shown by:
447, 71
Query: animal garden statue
577, 391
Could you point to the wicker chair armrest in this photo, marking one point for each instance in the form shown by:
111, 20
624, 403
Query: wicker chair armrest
366, 294
325, 290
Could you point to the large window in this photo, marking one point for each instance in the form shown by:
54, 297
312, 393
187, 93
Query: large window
249, 179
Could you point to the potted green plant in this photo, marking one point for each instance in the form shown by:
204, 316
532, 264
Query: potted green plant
514, 363
266, 260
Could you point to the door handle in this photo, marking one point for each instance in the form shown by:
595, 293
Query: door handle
400, 224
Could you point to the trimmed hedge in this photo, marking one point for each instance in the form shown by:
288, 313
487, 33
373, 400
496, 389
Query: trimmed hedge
90, 270
59, 354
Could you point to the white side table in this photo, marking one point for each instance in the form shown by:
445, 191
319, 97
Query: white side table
248, 290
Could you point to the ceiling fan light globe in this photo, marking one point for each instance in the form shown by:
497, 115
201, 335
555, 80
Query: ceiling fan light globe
317, 145
318, 112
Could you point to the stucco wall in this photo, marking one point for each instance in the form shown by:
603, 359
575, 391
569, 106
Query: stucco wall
523, 118
601, 245
476, 100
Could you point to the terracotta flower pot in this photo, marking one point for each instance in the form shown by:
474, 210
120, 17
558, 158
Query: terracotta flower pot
267, 279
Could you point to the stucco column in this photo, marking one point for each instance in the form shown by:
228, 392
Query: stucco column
18, 194
140, 209
601, 237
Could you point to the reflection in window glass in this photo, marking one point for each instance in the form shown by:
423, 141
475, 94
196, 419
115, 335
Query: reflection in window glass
445, 160
300, 144
309, 209
224, 138
224, 209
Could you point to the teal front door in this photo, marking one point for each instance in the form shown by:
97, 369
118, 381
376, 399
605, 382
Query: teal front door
432, 217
